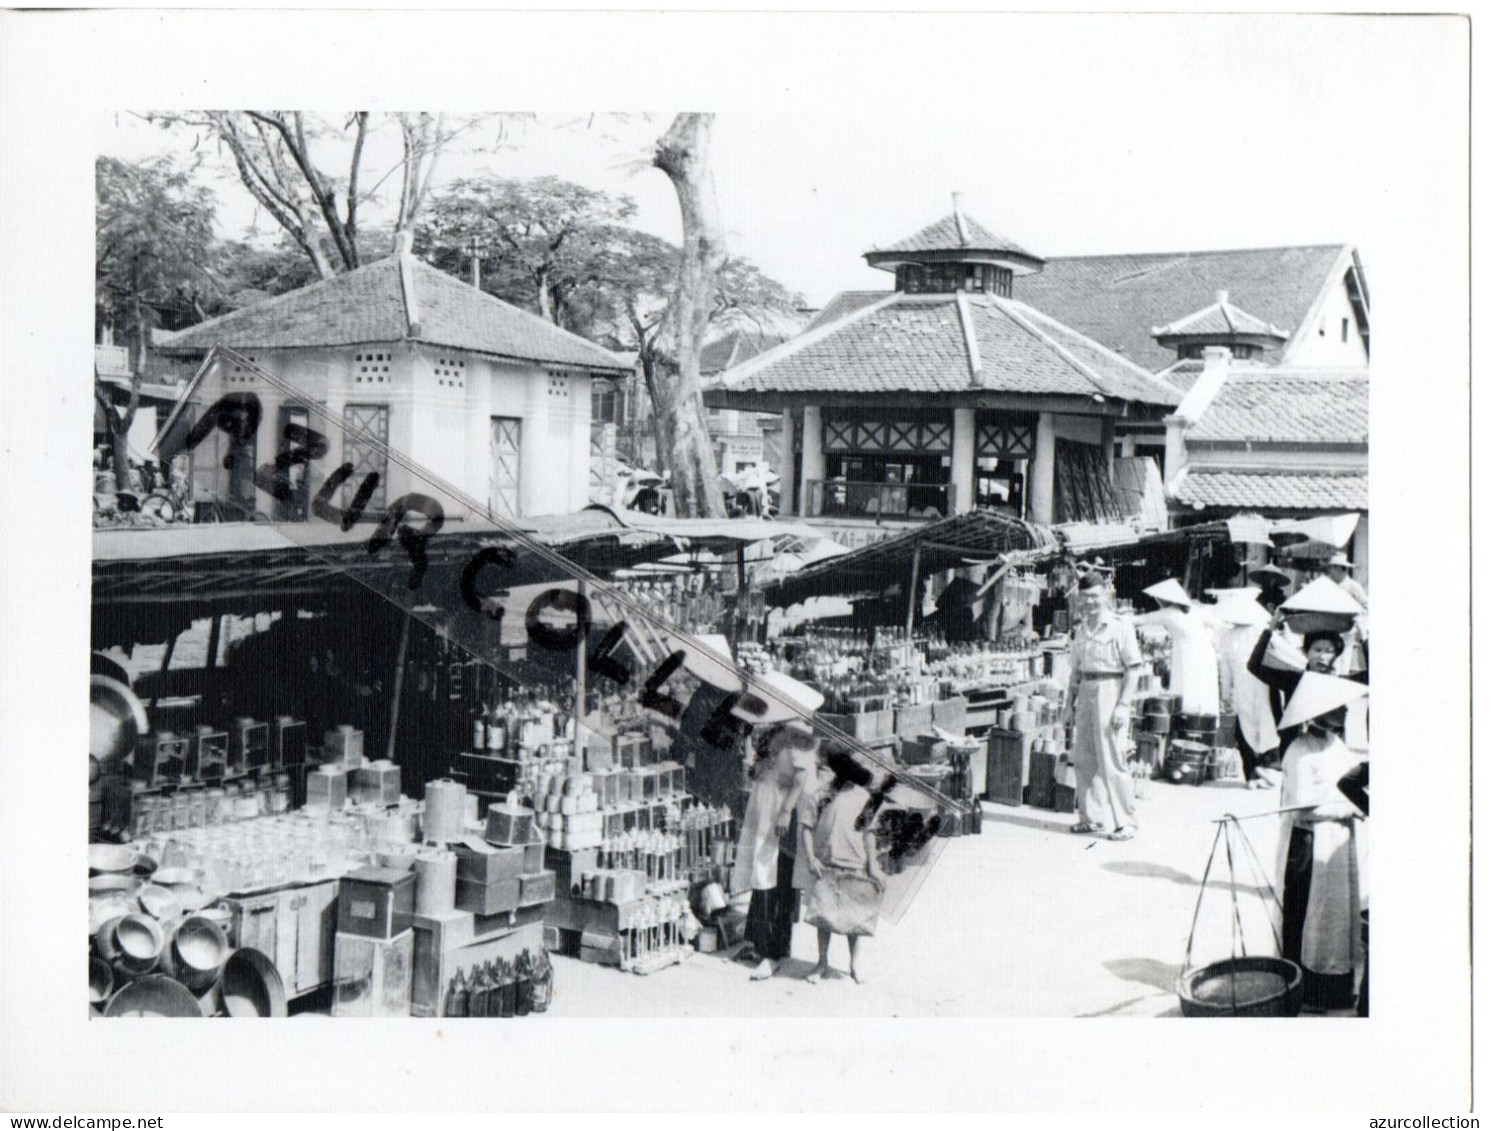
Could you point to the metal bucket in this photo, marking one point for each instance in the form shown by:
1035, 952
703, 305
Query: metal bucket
198, 949
1241, 987
251, 986
1187, 761
140, 942
153, 996
100, 983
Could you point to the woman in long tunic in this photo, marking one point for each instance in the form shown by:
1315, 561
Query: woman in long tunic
1193, 657
784, 765
1245, 694
1317, 862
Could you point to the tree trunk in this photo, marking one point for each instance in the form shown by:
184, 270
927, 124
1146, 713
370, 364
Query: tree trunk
683, 154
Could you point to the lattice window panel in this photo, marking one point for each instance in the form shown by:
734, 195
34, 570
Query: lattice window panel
1006, 438
904, 436
366, 457
450, 372
1084, 488
838, 436
503, 486
372, 369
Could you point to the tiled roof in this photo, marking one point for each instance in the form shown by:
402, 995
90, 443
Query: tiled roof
1220, 319
735, 347
367, 305
1297, 490
916, 344
1117, 299
1183, 373
843, 303
943, 236
1287, 406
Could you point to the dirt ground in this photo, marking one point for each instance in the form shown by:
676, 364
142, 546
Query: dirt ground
1025, 920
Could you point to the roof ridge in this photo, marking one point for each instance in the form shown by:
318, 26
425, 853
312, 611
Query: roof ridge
801, 341
1202, 251
284, 296
1006, 306
1136, 369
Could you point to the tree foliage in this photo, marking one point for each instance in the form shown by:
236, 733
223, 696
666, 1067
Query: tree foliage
542, 240
283, 158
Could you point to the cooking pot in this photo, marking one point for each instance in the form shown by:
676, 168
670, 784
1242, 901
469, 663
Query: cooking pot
197, 951
140, 941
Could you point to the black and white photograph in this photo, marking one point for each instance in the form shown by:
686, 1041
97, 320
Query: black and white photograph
855, 590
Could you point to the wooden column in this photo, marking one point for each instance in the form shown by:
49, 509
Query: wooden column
916, 567
1040, 486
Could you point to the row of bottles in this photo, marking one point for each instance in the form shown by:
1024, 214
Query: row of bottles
502, 988
523, 719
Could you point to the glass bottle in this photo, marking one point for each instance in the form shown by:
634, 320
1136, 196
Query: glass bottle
458, 997
523, 985
481, 994
543, 983
506, 993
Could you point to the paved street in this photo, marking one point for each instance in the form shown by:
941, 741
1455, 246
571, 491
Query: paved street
1026, 920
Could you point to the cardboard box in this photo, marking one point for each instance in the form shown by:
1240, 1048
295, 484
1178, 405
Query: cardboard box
376, 903
535, 889
864, 725
373, 977
488, 899
533, 855
951, 715
478, 862
344, 746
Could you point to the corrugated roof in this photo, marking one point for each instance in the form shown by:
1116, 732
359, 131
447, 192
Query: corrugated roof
367, 306
1199, 487
943, 235
916, 344
1291, 406
1118, 299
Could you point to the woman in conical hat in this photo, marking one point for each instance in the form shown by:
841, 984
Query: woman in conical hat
1319, 881
1243, 621
1193, 656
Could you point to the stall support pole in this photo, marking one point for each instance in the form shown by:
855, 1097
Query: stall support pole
581, 646
916, 567
398, 687
214, 640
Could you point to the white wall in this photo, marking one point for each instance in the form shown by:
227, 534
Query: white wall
1320, 343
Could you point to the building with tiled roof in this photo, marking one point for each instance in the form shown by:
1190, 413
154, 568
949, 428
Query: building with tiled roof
948, 392
491, 398
1318, 294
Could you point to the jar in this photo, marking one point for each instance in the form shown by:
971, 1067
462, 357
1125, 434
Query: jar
142, 816
196, 809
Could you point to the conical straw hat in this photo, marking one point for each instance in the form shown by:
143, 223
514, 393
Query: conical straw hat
708, 658
1319, 694
1170, 590
800, 699
1322, 596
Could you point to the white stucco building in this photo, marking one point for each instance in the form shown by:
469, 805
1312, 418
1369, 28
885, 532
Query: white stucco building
490, 398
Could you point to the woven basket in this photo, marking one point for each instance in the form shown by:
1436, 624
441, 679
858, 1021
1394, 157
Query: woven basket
1231, 988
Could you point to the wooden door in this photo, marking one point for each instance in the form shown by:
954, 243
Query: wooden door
502, 486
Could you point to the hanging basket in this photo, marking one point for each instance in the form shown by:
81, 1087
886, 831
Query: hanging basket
1243, 985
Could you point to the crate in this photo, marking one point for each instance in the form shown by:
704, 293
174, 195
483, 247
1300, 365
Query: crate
951, 715
161, 758
376, 903
912, 721
923, 750
864, 725
1063, 798
480, 863
1042, 784
435, 965
1008, 767
536, 889
248, 746
488, 899
374, 976
482, 774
